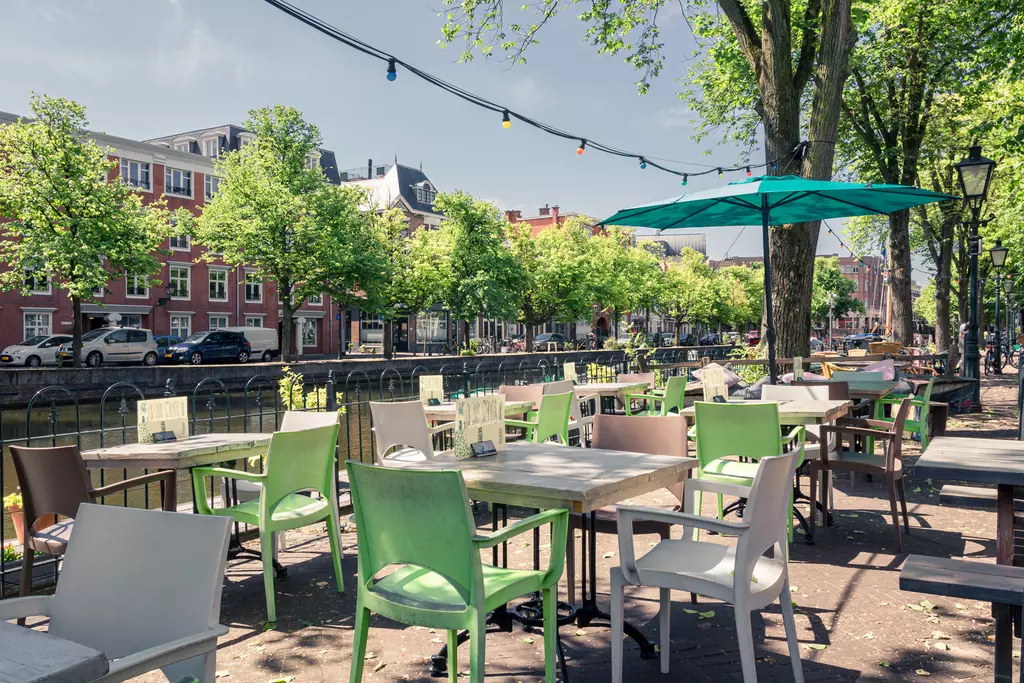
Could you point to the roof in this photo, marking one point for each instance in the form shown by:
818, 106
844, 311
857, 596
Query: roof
675, 243
398, 185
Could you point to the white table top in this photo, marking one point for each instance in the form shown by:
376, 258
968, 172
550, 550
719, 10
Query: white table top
446, 411
28, 656
551, 476
799, 412
205, 449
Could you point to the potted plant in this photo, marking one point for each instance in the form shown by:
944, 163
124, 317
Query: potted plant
13, 504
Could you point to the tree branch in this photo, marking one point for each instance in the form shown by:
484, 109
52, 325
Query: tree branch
808, 46
746, 34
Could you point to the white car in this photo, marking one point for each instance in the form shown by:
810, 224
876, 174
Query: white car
34, 351
113, 345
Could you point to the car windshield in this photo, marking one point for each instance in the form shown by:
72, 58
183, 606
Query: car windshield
34, 341
196, 338
95, 334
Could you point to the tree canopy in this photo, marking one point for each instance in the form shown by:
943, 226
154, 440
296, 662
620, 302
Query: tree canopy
831, 285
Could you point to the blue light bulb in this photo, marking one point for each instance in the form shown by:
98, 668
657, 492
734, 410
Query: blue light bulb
392, 75
643, 164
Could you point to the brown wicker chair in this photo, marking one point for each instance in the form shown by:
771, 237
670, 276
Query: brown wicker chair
55, 481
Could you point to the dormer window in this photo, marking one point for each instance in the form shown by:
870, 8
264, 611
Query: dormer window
183, 146
211, 147
313, 160
425, 192
244, 139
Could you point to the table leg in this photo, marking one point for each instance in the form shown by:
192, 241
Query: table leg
1003, 614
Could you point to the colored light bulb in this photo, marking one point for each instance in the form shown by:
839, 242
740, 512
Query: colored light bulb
506, 122
582, 147
392, 71
643, 163
686, 178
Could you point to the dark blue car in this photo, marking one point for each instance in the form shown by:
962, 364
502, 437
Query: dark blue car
204, 347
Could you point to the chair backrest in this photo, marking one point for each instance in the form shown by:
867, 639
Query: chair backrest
865, 376
856, 353
767, 509
894, 446
400, 424
749, 430
838, 390
133, 579
650, 434
793, 392
645, 377
300, 461
926, 395
553, 417
562, 387
675, 395
298, 420
393, 526
53, 481
526, 392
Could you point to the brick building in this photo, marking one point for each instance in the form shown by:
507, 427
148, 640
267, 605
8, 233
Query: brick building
194, 295
547, 217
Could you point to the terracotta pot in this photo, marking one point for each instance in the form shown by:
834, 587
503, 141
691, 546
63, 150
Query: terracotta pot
17, 519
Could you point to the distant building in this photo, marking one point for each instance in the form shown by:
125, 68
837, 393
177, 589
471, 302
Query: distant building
547, 217
673, 244
865, 272
394, 186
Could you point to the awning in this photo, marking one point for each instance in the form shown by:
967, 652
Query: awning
117, 308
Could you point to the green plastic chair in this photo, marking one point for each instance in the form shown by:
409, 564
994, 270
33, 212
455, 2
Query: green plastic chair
747, 430
438, 579
660, 402
550, 419
921, 426
297, 461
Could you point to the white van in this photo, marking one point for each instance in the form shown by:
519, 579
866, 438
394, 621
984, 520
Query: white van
263, 341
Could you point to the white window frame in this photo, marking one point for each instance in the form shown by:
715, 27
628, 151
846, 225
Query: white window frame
245, 138
169, 172
219, 272
208, 182
125, 319
185, 146
187, 317
171, 267
224, 318
315, 300
215, 142
251, 274
34, 290
312, 160
125, 170
178, 247
43, 326
134, 279
310, 326
254, 319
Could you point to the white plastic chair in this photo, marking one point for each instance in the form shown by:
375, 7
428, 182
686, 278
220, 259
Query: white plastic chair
292, 421
740, 574
141, 586
577, 422
402, 425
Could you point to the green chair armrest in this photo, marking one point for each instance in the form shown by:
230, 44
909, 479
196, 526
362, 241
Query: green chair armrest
893, 398
523, 525
525, 424
637, 397
199, 476
798, 434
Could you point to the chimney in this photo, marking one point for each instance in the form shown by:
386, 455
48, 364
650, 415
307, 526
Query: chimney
554, 212
513, 215
544, 210
369, 168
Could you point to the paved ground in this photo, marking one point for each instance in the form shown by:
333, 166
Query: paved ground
854, 622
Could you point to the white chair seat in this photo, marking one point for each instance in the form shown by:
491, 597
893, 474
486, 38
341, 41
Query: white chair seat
700, 563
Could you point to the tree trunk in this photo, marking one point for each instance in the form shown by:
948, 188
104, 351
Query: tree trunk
528, 337
287, 327
388, 334
76, 332
944, 333
900, 279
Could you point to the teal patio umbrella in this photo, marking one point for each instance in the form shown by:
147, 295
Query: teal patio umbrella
773, 200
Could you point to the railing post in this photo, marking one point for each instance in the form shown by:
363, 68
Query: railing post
465, 379
331, 403
169, 388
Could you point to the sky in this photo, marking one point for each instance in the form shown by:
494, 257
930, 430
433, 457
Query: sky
148, 68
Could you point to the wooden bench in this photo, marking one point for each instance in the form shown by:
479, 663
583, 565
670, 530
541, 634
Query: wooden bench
996, 583
976, 497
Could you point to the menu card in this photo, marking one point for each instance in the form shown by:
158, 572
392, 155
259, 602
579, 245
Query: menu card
479, 418
163, 415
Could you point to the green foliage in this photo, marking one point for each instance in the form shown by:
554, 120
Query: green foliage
13, 501
282, 219
830, 281
292, 390
11, 553
750, 373
67, 223
610, 344
924, 305
481, 275
638, 353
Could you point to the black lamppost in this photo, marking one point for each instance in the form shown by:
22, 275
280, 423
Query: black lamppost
975, 173
998, 254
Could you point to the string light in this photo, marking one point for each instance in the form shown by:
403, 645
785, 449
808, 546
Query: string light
643, 163
686, 178
749, 173
476, 100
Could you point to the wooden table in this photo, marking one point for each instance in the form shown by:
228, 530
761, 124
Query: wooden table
796, 412
446, 411
583, 480
866, 390
609, 391
985, 461
184, 454
28, 656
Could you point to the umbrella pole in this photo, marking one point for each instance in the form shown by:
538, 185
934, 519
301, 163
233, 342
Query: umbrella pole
769, 326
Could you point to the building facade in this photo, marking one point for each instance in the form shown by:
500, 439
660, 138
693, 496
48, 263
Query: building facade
193, 295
